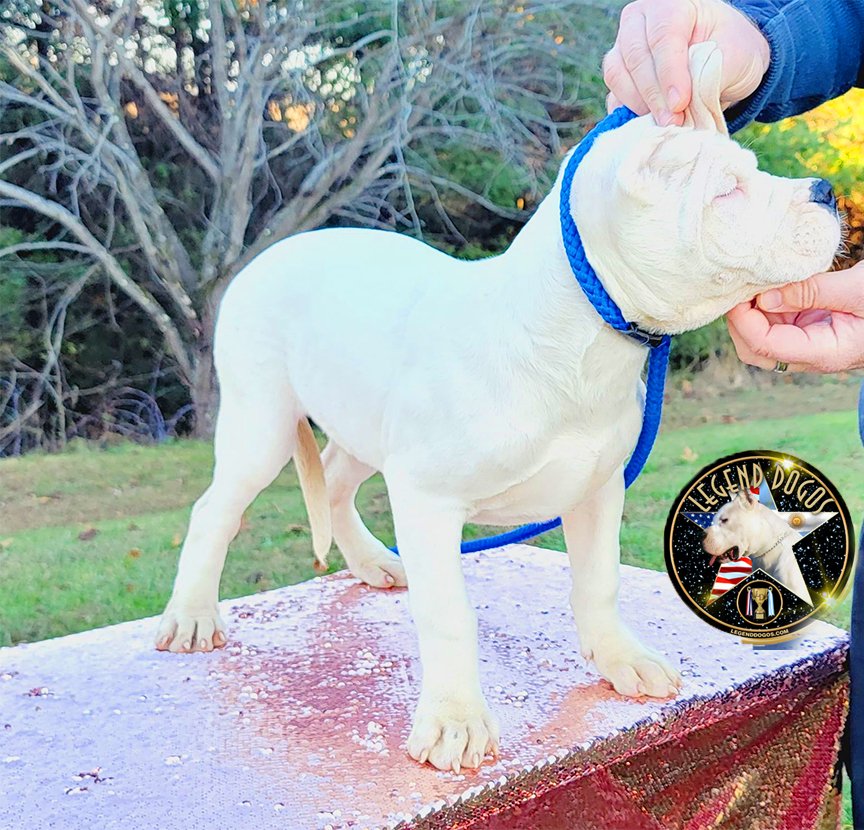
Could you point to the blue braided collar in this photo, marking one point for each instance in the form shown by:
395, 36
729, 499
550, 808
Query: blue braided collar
585, 275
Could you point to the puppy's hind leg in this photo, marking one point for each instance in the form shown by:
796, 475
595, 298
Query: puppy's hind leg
367, 558
255, 436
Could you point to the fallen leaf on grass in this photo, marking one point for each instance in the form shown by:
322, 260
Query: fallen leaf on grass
176, 541
87, 535
5, 543
135, 553
132, 526
689, 455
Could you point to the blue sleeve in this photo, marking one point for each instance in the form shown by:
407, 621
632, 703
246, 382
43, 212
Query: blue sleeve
817, 53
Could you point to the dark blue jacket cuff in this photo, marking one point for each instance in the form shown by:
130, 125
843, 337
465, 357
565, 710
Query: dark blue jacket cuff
817, 53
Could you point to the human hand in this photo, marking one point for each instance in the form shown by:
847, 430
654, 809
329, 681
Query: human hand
813, 326
647, 68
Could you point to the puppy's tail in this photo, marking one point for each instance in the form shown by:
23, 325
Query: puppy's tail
310, 471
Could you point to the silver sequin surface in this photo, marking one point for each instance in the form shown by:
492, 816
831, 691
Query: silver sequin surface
301, 722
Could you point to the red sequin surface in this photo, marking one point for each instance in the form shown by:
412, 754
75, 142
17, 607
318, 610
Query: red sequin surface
301, 722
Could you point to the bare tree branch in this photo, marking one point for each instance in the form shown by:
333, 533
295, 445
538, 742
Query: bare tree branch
140, 295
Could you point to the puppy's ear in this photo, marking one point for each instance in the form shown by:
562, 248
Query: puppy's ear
706, 69
747, 500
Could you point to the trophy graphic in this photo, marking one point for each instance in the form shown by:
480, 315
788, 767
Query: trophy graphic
760, 595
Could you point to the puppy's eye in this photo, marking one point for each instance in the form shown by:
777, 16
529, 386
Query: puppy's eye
723, 521
729, 186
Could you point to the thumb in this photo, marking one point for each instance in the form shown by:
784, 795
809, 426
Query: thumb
834, 291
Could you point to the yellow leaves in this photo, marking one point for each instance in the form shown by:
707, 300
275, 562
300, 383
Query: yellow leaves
131, 109
172, 101
298, 116
841, 123
274, 110
176, 541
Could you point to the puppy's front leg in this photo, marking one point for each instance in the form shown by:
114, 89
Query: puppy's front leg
591, 532
453, 727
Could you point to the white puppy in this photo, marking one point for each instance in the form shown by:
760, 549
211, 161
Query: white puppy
745, 527
486, 391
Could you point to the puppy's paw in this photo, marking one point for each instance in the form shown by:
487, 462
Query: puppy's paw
453, 735
631, 668
381, 569
187, 628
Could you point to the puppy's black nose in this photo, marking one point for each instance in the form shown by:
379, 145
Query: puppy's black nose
822, 193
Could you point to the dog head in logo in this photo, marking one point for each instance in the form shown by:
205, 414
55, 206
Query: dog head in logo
735, 528
680, 223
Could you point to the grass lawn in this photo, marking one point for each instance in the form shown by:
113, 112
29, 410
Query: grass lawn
91, 536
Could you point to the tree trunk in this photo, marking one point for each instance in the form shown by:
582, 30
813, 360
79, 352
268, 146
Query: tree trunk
204, 390
204, 393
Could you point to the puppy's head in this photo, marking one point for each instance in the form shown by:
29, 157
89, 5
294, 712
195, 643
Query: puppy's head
734, 529
680, 223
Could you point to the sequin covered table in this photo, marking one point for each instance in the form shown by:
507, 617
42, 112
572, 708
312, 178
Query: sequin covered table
301, 722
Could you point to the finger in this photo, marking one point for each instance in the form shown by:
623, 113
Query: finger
835, 291
813, 345
742, 348
633, 44
612, 103
669, 27
618, 80
747, 354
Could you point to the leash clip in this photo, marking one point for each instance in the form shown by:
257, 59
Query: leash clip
642, 336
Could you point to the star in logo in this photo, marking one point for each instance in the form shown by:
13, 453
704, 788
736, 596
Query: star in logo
800, 523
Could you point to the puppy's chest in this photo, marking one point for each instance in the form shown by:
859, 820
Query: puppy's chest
570, 467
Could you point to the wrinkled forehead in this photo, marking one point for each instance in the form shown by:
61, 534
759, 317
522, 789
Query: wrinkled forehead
646, 143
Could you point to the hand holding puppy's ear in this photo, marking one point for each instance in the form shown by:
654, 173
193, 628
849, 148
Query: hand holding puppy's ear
704, 112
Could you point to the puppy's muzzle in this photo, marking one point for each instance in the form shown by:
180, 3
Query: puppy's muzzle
822, 193
733, 554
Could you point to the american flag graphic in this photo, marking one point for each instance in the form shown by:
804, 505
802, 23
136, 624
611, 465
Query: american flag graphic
730, 574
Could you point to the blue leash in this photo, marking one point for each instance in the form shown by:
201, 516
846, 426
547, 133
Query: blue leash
604, 305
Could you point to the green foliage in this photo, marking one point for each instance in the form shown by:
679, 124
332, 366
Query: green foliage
691, 349
825, 143
14, 335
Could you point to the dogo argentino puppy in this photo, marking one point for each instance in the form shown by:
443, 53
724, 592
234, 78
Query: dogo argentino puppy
487, 391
